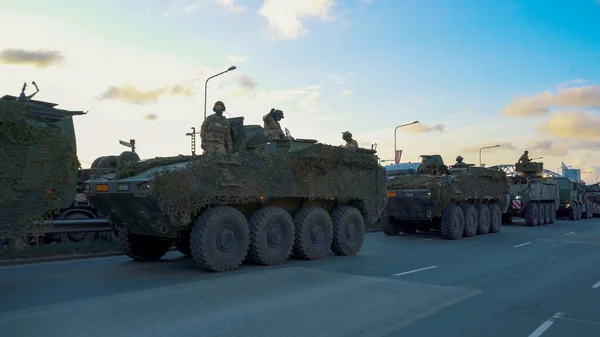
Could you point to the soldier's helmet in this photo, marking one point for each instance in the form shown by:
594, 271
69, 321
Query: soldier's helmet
218, 103
459, 159
526, 152
346, 135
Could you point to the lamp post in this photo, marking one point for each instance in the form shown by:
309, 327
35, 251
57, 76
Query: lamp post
486, 147
206, 85
396, 129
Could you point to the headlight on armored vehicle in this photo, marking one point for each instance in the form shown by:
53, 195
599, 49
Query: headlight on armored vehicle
145, 187
86, 188
517, 197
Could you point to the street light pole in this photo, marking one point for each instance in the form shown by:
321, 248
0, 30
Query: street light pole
486, 147
396, 129
206, 85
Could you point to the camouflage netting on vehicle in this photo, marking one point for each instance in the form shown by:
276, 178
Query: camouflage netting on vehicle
35, 159
476, 184
317, 172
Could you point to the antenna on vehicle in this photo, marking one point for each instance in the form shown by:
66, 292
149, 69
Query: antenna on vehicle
193, 140
130, 145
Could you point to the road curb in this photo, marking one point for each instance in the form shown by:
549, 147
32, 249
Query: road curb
5, 263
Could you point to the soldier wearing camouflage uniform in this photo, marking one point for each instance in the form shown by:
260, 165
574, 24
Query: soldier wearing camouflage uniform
272, 128
459, 162
215, 132
350, 143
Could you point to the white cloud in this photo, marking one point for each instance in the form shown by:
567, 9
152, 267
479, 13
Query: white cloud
231, 5
237, 59
93, 64
346, 93
341, 79
285, 18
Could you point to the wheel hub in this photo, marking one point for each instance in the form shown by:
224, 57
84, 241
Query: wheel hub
226, 238
275, 236
350, 232
317, 235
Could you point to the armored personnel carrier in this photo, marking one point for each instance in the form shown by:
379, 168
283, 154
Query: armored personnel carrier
264, 201
41, 175
572, 200
459, 201
534, 195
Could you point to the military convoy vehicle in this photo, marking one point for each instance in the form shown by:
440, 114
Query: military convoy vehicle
41, 199
572, 202
533, 195
592, 196
262, 202
459, 201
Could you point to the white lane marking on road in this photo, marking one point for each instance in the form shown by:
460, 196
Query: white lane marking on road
569, 233
521, 245
546, 325
430, 239
597, 285
415, 271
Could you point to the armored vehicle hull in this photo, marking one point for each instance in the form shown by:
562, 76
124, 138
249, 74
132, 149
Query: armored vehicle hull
457, 201
533, 196
263, 203
572, 201
592, 196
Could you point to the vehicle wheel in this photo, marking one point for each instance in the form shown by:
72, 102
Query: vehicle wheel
143, 247
483, 219
220, 239
552, 213
589, 211
182, 243
470, 215
313, 233
572, 213
541, 214
271, 236
579, 211
95, 162
547, 214
532, 217
388, 227
348, 231
495, 218
83, 237
127, 157
409, 228
107, 164
453, 223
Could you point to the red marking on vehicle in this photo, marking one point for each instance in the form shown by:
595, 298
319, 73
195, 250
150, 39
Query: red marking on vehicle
516, 204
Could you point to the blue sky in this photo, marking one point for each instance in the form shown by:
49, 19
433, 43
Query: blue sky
457, 64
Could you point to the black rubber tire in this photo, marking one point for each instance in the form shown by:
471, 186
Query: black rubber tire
541, 214
79, 237
270, 223
348, 231
471, 220
143, 247
305, 221
547, 214
389, 226
483, 219
95, 162
203, 240
127, 157
495, 218
453, 223
572, 213
182, 243
579, 211
552, 213
108, 162
531, 215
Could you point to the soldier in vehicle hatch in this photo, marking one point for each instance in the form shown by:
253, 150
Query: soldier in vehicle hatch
524, 159
350, 143
459, 162
272, 128
215, 131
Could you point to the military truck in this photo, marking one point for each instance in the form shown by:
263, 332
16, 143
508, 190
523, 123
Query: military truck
592, 196
262, 201
534, 196
42, 200
458, 201
572, 203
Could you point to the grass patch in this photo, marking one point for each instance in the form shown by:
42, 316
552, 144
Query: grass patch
59, 249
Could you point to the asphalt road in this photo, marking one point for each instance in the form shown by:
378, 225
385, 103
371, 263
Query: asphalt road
524, 281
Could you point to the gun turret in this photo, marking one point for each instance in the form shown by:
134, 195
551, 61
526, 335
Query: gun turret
531, 169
